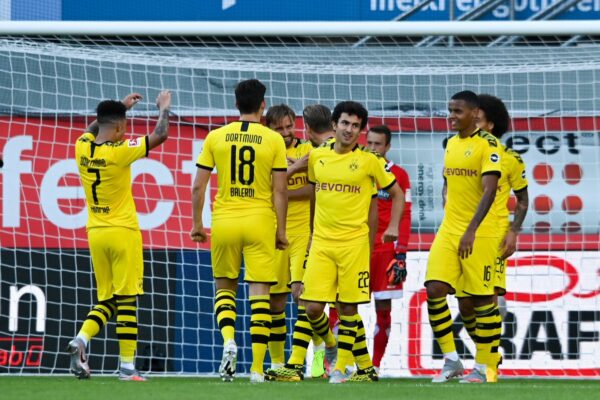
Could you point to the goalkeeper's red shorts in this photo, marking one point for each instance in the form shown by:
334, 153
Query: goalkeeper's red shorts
380, 287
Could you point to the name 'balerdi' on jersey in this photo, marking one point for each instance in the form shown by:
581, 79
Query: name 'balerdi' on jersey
245, 154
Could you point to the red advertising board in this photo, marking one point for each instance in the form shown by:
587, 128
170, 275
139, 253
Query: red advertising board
43, 205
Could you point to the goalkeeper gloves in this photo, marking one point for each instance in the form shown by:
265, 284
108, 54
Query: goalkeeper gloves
396, 269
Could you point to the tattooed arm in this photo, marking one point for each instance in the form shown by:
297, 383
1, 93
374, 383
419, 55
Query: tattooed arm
161, 132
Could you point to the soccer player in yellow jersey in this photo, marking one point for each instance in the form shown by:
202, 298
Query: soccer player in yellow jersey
337, 269
249, 218
317, 124
493, 117
318, 128
317, 121
467, 242
289, 263
104, 160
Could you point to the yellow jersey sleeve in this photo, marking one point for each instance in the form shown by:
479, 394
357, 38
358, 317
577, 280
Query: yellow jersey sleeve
280, 160
491, 155
311, 168
128, 151
206, 159
381, 176
516, 174
513, 177
298, 213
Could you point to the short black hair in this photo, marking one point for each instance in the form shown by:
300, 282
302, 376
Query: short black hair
317, 117
468, 97
249, 95
351, 108
384, 130
110, 111
279, 112
495, 111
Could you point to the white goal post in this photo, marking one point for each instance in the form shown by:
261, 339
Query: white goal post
53, 74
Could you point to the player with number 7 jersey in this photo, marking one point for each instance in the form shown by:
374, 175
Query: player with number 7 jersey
104, 161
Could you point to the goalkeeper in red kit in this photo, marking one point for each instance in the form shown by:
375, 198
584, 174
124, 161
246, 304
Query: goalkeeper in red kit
388, 260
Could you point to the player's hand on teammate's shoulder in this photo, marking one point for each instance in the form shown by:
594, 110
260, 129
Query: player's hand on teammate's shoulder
132, 99
199, 235
163, 100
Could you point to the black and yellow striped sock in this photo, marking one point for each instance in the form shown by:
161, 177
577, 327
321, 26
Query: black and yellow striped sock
346, 338
260, 329
321, 327
360, 351
487, 330
225, 313
469, 324
495, 354
127, 328
277, 337
301, 338
97, 318
441, 323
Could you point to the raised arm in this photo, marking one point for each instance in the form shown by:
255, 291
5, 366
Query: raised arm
161, 132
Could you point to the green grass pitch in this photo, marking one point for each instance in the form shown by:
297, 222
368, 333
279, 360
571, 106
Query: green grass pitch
175, 388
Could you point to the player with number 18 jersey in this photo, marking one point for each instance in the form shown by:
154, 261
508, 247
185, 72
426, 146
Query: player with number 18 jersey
245, 154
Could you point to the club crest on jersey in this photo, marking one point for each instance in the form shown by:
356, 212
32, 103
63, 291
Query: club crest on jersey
353, 165
494, 157
134, 142
523, 174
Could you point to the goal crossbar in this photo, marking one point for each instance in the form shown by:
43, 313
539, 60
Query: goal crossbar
313, 28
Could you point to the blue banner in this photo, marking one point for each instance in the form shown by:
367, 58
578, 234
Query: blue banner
279, 10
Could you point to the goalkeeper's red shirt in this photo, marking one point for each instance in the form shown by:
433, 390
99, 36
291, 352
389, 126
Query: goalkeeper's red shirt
384, 208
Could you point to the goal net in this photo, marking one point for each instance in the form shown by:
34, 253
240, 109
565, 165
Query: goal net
50, 85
